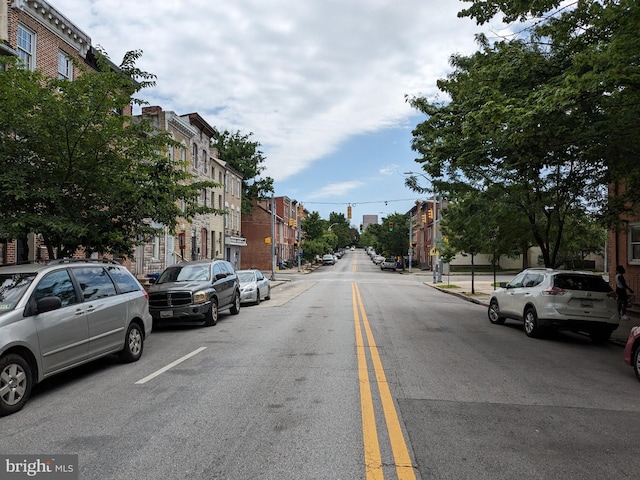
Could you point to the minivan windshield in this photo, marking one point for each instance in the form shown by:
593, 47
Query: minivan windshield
12, 287
186, 273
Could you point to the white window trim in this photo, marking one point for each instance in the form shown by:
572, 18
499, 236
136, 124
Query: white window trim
630, 244
31, 65
68, 74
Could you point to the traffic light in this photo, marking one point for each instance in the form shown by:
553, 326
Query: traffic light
349, 212
360, 228
430, 211
424, 218
391, 226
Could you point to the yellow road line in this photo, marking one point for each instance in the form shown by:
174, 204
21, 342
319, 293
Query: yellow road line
404, 468
372, 457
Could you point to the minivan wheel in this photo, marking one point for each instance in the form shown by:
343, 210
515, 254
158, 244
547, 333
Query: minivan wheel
15, 383
133, 344
531, 327
494, 313
211, 317
235, 308
600, 335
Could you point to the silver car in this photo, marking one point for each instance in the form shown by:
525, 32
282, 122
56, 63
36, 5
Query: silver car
254, 286
564, 300
62, 314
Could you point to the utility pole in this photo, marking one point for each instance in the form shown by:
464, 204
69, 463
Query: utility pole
410, 239
273, 238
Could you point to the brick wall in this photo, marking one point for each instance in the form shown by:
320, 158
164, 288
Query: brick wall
256, 227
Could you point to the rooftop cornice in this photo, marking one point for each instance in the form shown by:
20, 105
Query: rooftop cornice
57, 23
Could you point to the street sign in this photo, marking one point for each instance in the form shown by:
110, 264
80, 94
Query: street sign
433, 252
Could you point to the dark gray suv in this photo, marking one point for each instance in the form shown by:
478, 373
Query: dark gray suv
64, 313
194, 292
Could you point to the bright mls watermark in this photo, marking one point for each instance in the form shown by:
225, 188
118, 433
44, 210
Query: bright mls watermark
51, 467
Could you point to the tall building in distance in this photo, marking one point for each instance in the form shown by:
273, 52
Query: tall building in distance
368, 220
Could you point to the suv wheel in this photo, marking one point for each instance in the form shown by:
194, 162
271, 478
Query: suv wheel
235, 308
211, 318
494, 313
133, 344
15, 383
531, 327
600, 335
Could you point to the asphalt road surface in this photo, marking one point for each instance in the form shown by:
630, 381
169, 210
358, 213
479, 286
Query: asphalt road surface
346, 373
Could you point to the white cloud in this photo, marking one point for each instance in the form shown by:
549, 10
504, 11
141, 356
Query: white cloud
335, 189
303, 76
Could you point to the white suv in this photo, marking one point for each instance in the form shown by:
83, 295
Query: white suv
560, 299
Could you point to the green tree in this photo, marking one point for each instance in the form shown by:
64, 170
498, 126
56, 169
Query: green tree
393, 241
500, 130
313, 226
551, 117
339, 225
244, 156
595, 47
79, 173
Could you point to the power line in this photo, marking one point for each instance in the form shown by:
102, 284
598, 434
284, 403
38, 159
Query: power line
353, 204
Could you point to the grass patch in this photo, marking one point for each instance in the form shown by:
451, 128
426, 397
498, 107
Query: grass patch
448, 286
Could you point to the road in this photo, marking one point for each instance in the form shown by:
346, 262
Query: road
346, 373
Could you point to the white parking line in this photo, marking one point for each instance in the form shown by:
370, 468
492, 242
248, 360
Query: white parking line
171, 365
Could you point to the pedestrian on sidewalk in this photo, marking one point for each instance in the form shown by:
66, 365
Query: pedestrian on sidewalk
621, 291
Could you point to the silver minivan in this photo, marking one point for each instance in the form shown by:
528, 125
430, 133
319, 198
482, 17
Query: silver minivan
61, 314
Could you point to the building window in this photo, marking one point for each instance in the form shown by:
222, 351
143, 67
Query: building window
26, 47
65, 66
634, 243
220, 202
239, 187
204, 162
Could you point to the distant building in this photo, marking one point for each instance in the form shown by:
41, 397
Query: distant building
273, 235
205, 236
368, 220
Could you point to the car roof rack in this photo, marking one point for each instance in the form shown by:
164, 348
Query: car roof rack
57, 261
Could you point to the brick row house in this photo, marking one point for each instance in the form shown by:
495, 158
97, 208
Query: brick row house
44, 39
273, 233
205, 236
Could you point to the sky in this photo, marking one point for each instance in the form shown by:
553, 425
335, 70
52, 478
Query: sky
320, 84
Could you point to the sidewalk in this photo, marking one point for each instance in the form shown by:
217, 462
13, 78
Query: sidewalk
460, 285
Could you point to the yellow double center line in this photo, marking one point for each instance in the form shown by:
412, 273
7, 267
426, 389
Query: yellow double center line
372, 457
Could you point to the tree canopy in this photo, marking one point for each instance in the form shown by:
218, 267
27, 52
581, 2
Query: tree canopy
550, 118
77, 171
244, 156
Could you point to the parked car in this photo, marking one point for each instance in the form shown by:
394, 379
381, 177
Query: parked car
328, 259
254, 286
565, 300
631, 353
197, 291
378, 259
61, 314
388, 263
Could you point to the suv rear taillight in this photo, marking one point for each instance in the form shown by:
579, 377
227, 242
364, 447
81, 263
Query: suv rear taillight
554, 291
612, 294
146, 294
